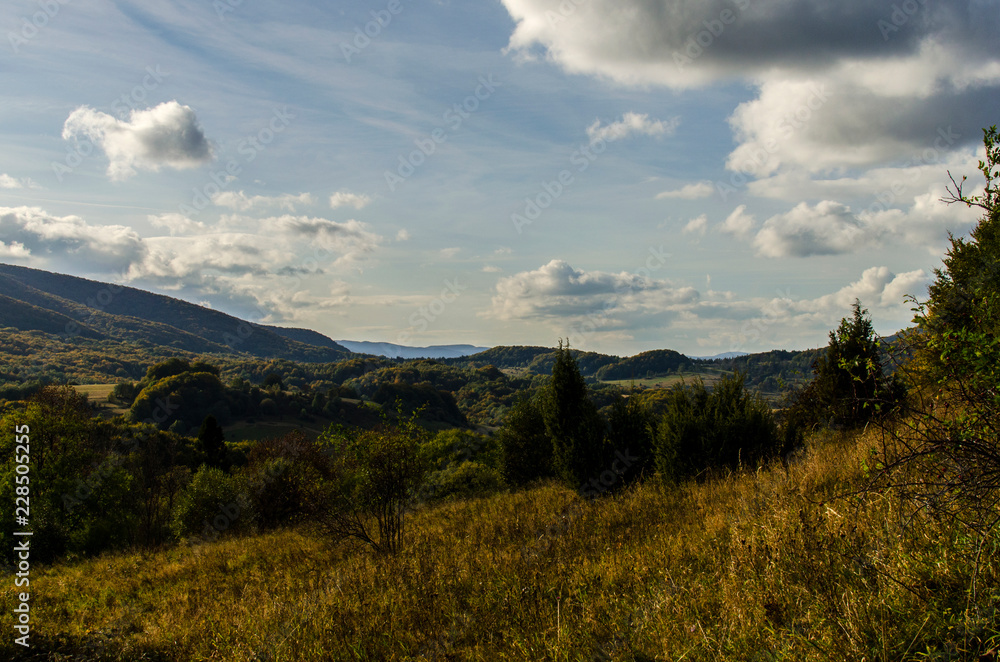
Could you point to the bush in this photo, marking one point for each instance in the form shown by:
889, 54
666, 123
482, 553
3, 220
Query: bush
376, 474
466, 479
727, 427
213, 502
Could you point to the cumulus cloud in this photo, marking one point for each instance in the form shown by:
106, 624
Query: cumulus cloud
348, 199
8, 182
403, 235
691, 43
839, 83
878, 287
696, 225
631, 124
832, 228
177, 224
689, 192
828, 228
739, 223
557, 290
167, 135
240, 201
14, 251
100, 248
351, 239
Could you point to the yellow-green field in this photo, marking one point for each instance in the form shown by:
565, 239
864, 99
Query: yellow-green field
97, 394
758, 566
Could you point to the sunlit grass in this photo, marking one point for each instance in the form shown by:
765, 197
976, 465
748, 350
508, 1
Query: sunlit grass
753, 566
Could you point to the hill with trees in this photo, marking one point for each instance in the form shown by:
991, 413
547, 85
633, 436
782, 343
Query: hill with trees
124, 314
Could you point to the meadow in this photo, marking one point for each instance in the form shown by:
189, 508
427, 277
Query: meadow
791, 562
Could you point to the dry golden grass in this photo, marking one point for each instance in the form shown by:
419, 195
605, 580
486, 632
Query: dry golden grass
754, 566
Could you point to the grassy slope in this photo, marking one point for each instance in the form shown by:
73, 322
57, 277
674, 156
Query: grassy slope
750, 567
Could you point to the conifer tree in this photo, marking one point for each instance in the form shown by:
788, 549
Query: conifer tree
572, 422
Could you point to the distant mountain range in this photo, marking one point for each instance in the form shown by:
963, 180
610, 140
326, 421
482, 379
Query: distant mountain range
393, 351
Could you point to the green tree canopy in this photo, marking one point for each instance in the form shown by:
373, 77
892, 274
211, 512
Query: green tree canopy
572, 422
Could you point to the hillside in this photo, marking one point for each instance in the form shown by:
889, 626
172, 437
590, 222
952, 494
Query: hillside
769, 565
126, 314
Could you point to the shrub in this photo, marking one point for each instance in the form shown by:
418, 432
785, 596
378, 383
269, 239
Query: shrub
727, 427
376, 473
212, 503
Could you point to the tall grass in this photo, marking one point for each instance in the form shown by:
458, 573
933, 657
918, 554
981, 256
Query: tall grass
749, 566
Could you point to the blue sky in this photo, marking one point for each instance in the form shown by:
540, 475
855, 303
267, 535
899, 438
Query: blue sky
702, 176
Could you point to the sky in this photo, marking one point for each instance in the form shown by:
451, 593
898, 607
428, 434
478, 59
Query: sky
699, 175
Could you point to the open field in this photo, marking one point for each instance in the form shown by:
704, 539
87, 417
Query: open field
710, 377
769, 565
97, 394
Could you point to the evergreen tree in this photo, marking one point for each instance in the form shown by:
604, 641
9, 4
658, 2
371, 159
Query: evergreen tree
526, 449
212, 442
572, 422
630, 432
850, 385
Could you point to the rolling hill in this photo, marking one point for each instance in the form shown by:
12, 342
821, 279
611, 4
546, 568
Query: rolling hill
69, 306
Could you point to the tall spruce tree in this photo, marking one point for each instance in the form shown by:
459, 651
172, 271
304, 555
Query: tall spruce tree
572, 422
212, 442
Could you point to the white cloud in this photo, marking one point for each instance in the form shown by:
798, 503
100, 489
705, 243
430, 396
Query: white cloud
689, 192
403, 235
557, 290
240, 201
348, 199
739, 223
492, 269
177, 224
448, 253
696, 225
8, 182
828, 228
832, 228
100, 248
166, 135
631, 124
14, 251
834, 87
877, 288
351, 239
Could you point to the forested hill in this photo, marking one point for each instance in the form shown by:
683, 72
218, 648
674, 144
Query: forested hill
69, 306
